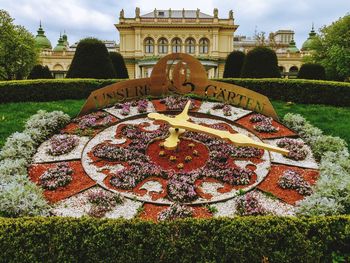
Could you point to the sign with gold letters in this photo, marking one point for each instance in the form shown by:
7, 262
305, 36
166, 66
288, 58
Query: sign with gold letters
179, 73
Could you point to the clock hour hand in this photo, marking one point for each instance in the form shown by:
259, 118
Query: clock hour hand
238, 139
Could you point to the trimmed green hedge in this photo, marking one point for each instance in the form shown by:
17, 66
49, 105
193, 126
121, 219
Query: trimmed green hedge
49, 90
250, 239
299, 91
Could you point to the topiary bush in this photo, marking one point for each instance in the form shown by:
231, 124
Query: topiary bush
91, 60
233, 65
119, 65
40, 72
312, 71
261, 62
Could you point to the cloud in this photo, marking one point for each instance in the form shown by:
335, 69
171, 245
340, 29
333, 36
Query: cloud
82, 18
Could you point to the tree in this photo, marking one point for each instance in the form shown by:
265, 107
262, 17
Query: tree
119, 65
40, 72
17, 49
91, 60
312, 71
260, 62
331, 49
233, 65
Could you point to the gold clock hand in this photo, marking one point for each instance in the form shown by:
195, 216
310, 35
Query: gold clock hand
184, 114
238, 139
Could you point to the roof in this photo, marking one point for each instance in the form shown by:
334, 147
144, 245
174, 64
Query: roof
176, 14
307, 45
41, 41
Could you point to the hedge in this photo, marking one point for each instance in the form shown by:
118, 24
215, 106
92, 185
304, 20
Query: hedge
49, 90
299, 91
249, 239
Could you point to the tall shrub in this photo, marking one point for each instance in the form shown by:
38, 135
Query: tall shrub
261, 62
234, 63
40, 72
119, 65
91, 60
312, 71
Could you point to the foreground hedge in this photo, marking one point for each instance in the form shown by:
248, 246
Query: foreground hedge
300, 91
250, 239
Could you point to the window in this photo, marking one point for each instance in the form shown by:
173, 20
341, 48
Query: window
163, 46
203, 46
149, 45
176, 45
190, 46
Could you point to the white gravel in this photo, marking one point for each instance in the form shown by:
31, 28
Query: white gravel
78, 205
272, 205
236, 113
309, 162
42, 155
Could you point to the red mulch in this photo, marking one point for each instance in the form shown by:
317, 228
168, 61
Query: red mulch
226, 188
283, 131
154, 195
162, 107
183, 150
151, 211
290, 196
80, 182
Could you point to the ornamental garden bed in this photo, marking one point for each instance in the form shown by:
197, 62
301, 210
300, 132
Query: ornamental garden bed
113, 163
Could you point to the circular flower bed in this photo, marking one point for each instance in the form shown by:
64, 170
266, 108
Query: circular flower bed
203, 176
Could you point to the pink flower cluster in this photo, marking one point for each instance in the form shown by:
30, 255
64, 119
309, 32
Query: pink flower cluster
142, 106
226, 109
176, 102
62, 143
297, 149
249, 205
94, 120
125, 110
102, 202
293, 180
59, 176
181, 187
175, 211
263, 123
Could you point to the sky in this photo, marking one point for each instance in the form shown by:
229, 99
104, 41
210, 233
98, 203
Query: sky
93, 18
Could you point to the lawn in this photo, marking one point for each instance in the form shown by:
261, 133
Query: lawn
332, 120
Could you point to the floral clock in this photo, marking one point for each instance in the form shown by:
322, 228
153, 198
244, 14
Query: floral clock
113, 163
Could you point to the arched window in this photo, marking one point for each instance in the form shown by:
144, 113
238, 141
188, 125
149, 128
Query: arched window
190, 46
149, 45
176, 45
163, 46
204, 46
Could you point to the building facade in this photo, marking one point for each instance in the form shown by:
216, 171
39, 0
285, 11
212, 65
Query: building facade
144, 39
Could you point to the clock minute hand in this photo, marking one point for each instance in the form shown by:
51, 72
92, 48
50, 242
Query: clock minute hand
238, 139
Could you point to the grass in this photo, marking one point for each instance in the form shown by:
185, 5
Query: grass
334, 121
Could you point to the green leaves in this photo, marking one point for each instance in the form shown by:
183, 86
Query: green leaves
17, 49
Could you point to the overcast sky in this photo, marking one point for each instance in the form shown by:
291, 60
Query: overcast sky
83, 18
